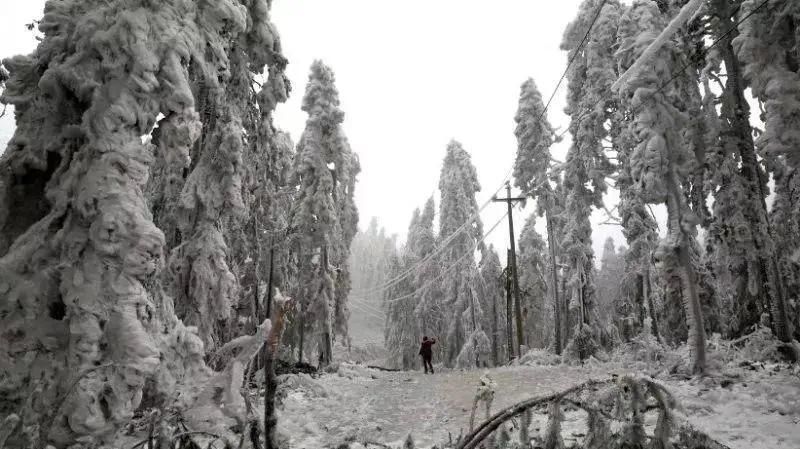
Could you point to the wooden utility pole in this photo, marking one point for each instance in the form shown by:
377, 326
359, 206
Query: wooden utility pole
509, 327
517, 306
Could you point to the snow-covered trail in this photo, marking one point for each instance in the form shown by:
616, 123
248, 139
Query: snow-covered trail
387, 406
358, 404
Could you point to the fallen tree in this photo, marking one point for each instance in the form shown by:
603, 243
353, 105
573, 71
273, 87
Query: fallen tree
624, 401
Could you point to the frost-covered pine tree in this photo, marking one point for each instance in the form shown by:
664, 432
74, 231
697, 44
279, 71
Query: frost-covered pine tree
401, 335
609, 287
590, 106
430, 310
660, 162
81, 254
370, 253
533, 270
767, 46
531, 174
494, 303
323, 214
465, 340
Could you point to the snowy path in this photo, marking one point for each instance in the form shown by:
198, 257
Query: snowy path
368, 405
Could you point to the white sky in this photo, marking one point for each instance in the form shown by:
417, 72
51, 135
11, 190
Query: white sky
411, 75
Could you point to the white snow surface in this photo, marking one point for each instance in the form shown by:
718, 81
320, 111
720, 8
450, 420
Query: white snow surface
760, 409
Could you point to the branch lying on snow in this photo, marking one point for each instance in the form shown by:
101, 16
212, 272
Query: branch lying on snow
686, 15
626, 399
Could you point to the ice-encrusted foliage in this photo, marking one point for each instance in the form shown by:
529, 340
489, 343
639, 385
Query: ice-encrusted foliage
85, 321
661, 162
590, 106
740, 241
494, 302
402, 328
532, 174
324, 216
534, 138
429, 311
768, 45
401, 335
458, 184
533, 268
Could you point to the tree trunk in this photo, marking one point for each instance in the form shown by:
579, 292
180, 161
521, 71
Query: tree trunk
302, 324
554, 286
648, 296
676, 208
270, 380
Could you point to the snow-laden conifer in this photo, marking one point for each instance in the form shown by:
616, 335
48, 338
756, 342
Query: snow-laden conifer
590, 106
323, 213
660, 163
458, 184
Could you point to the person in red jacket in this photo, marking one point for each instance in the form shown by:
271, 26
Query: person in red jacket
427, 353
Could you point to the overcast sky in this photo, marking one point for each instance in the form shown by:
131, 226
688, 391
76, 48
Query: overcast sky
412, 75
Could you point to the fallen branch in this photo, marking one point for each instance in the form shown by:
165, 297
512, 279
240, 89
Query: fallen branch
380, 368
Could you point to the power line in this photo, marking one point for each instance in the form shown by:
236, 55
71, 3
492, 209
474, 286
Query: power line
442, 246
507, 177
573, 58
453, 265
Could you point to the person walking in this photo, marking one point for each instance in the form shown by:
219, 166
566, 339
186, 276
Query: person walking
427, 353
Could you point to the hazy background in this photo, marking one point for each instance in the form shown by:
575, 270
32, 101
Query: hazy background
411, 75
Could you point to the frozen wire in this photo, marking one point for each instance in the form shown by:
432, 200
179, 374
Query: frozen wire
454, 265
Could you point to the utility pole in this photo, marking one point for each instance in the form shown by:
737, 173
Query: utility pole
509, 327
517, 306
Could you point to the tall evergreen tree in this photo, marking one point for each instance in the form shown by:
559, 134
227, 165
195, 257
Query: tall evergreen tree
78, 207
494, 304
590, 106
533, 270
402, 330
323, 214
531, 174
768, 47
660, 163
458, 184
430, 311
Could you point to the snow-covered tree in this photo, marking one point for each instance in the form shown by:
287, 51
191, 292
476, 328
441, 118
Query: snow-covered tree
323, 213
369, 261
533, 270
430, 309
609, 276
460, 305
661, 163
590, 107
402, 334
81, 257
531, 174
494, 302
767, 46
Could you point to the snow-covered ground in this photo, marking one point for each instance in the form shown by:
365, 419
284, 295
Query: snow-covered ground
749, 409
